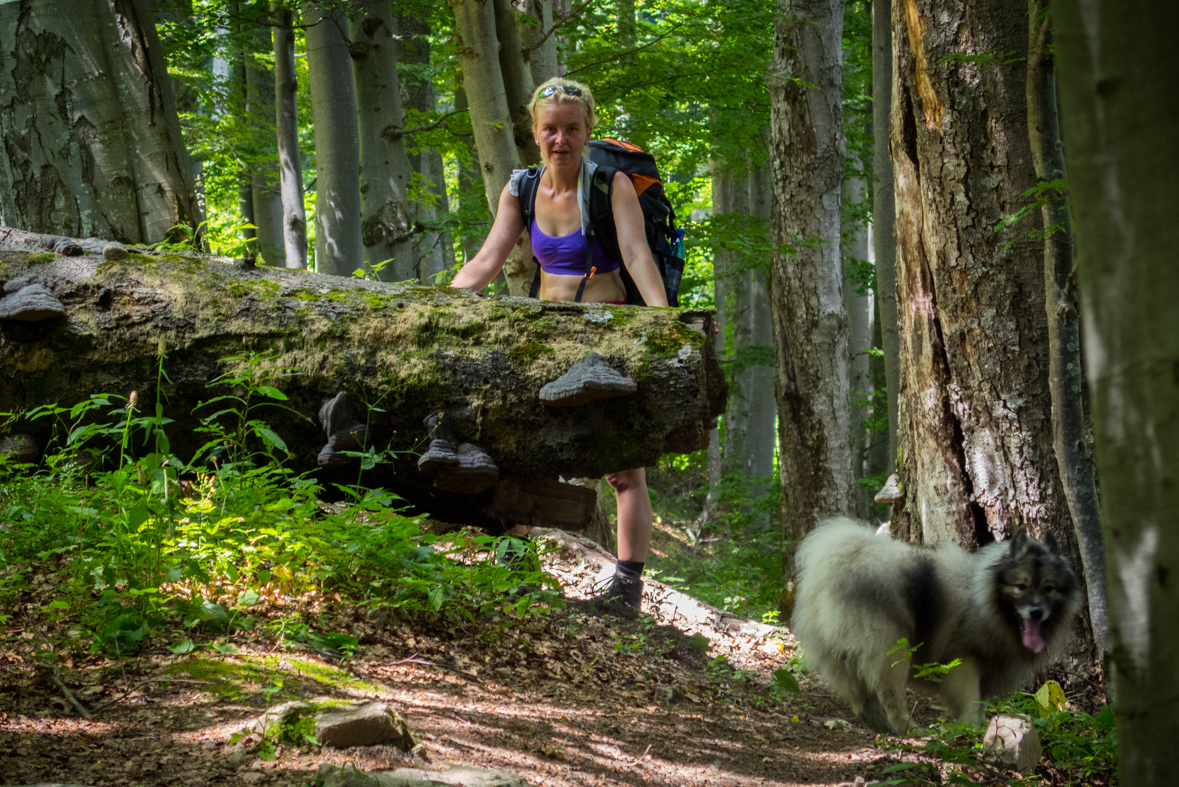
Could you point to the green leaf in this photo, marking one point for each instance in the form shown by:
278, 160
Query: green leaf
271, 439
271, 391
182, 647
786, 681
248, 598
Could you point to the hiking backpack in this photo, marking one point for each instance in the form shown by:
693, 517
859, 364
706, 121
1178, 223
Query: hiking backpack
665, 241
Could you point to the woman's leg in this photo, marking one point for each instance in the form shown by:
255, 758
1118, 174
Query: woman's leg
634, 514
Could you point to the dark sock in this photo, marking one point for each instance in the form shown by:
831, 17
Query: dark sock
632, 569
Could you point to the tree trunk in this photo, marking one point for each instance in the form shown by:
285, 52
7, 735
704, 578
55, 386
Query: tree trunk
884, 243
433, 249
1065, 375
627, 30
541, 55
859, 337
733, 285
518, 84
758, 380
975, 413
84, 156
806, 287
409, 351
1120, 115
290, 159
491, 119
260, 112
239, 121
386, 225
722, 206
338, 247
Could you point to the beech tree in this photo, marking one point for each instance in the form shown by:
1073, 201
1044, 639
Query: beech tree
806, 284
491, 116
261, 114
884, 245
338, 246
386, 223
290, 162
1120, 113
85, 156
975, 425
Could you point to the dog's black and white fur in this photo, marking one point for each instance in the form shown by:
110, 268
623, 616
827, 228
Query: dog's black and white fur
1005, 611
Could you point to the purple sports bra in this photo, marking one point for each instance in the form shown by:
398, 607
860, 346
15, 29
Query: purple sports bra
566, 254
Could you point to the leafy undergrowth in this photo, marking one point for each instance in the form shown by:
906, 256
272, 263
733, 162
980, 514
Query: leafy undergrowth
150, 607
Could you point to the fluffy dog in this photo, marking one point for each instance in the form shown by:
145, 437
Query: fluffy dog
1004, 611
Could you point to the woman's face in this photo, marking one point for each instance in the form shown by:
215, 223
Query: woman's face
561, 133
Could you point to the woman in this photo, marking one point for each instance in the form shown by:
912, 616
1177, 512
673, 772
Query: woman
562, 120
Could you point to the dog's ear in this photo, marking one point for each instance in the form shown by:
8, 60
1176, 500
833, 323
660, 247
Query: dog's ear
1019, 541
1050, 542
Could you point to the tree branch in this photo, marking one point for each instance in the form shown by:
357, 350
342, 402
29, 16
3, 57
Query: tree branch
528, 50
621, 55
399, 133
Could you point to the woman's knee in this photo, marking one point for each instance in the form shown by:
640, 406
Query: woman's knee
626, 480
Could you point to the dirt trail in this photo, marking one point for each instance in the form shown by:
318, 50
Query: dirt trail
574, 699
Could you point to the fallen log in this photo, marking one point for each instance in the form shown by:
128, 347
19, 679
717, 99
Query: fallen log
400, 352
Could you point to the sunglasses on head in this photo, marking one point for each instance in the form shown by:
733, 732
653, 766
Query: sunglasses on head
568, 90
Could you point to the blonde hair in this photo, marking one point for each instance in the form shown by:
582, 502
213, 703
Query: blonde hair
561, 97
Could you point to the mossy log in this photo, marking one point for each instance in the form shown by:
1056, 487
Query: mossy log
401, 352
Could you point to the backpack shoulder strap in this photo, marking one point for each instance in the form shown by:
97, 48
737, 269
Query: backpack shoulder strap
529, 184
600, 192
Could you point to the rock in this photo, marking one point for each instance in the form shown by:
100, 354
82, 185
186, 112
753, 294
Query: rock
362, 724
666, 696
33, 302
267, 725
456, 776
1014, 742
588, 381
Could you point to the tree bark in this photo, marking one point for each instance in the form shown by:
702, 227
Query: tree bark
409, 351
338, 247
1065, 375
1120, 113
260, 109
518, 84
433, 248
290, 159
759, 380
386, 224
884, 243
975, 413
491, 119
859, 336
542, 56
86, 156
806, 287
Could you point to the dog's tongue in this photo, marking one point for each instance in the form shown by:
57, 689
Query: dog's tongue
1032, 639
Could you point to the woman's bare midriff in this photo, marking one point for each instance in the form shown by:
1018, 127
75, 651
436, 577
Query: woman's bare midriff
603, 287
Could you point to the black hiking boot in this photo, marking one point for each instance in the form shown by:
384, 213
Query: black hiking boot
621, 595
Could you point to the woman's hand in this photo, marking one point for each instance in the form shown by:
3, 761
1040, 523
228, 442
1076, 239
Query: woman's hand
505, 232
632, 241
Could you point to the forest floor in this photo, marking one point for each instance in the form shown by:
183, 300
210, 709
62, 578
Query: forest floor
678, 698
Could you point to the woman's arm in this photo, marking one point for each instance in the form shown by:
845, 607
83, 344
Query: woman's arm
505, 231
632, 241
